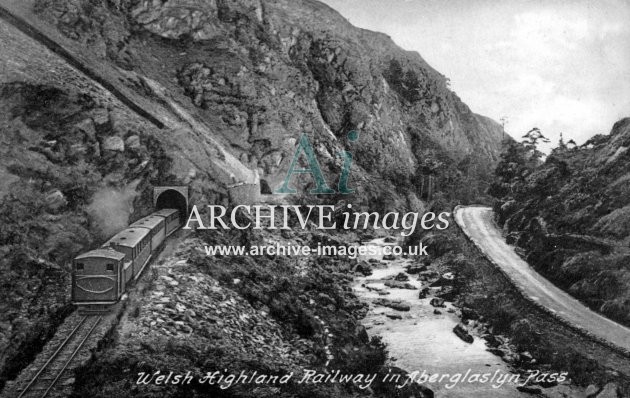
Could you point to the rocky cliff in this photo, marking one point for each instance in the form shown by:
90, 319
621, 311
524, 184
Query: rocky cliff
571, 215
258, 74
107, 99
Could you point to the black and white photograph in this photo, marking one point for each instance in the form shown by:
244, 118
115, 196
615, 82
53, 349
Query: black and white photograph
315, 198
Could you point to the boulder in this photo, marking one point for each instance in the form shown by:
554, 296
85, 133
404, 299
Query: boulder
610, 390
100, 117
437, 312
526, 356
133, 142
78, 150
400, 285
402, 277
389, 257
113, 143
415, 269
394, 316
363, 267
393, 304
447, 294
496, 351
591, 391
461, 332
423, 293
491, 340
437, 302
86, 126
429, 274
446, 279
469, 313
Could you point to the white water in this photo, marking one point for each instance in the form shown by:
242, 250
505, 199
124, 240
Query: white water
423, 341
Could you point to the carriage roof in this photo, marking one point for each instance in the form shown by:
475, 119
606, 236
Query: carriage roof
102, 253
150, 221
164, 212
129, 237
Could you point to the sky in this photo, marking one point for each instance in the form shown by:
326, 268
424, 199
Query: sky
561, 66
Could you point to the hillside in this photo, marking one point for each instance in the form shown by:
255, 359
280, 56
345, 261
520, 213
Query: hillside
571, 215
208, 94
258, 74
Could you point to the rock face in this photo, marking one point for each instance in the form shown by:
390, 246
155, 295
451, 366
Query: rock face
262, 75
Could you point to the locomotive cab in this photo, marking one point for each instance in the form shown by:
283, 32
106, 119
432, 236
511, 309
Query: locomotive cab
97, 279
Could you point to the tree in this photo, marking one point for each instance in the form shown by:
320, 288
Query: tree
395, 75
512, 168
411, 86
405, 82
561, 144
531, 140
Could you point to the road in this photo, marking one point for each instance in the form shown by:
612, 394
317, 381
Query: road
477, 223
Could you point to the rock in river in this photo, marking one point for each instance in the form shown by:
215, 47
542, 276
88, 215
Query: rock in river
394, 304
401, 277
462, 333
400, 285
437, 302
364, 268
416, 269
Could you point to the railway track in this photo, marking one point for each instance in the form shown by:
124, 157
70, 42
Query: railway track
50, 376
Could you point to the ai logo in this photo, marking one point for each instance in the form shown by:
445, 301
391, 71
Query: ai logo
313, 168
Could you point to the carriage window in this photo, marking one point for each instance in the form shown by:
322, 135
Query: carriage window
79, 266
110, 267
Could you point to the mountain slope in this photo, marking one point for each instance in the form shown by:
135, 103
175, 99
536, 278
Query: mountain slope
572, 216
232, 85
259, 74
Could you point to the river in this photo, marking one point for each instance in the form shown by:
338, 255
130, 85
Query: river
424, 341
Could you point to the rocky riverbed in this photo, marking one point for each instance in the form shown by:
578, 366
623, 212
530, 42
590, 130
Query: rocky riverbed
414, 310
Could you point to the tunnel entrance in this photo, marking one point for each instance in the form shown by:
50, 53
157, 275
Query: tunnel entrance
172, 198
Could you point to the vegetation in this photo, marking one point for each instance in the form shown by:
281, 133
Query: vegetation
570, 213
406, 83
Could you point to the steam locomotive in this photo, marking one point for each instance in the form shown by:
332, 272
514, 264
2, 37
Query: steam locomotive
101, 276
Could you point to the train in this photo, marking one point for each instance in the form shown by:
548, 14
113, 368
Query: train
100, 277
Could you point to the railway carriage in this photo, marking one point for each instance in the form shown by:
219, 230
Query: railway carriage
171, 218
98, 277
157, 227
135, 243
